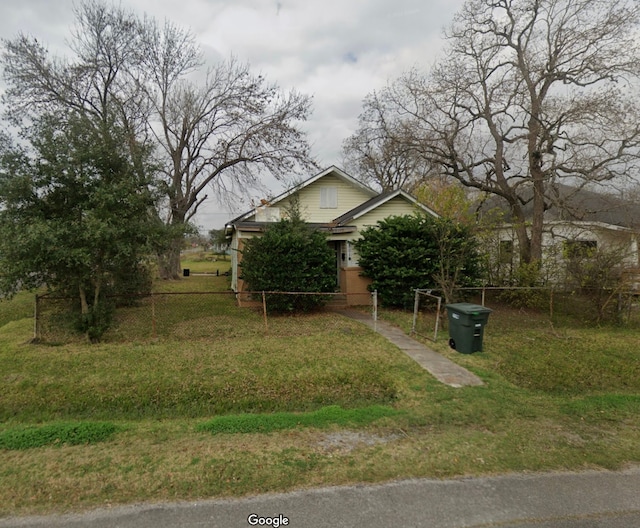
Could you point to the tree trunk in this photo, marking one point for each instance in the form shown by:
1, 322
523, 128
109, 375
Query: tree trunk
84, 306
537, 220
169, 261
524, 242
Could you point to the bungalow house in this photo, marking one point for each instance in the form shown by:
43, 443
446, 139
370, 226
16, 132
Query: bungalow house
335, 203
576, 221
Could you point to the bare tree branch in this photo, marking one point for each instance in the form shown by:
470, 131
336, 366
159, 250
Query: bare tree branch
531, 93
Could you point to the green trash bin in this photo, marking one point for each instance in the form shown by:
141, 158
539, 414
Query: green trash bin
466, 326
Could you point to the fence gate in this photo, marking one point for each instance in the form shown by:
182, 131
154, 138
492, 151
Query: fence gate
426, 314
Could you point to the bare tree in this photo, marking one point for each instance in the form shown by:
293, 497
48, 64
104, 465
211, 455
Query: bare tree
378, 154
530, 93
228, 129
97, 85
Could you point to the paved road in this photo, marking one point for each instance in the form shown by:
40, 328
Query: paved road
556, 500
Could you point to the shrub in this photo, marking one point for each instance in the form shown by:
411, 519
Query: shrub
403, 253
597, 274
290, 257
528, 278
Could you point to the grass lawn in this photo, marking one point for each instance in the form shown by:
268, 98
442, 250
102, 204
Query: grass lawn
206, 262
213, 405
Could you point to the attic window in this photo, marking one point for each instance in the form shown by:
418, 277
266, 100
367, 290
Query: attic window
328, 198
267, 214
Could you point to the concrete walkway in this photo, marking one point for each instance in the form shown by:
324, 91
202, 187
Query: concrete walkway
438, 366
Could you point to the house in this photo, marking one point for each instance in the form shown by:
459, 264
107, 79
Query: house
335, 203
576, 221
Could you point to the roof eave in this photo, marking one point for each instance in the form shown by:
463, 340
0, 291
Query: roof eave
384, 198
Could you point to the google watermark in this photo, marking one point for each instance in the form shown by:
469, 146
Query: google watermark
256, 520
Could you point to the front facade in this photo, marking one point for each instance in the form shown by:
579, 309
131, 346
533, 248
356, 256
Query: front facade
563, 239
335, 203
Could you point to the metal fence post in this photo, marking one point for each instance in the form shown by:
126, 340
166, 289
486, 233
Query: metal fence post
374, 296
153, 317
435, 333
264, 311
416, 303
36, 323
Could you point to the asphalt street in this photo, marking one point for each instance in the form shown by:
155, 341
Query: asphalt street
594, 499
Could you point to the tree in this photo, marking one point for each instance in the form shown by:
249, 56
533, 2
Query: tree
531, 93
99, 85
404, 253
378, 154
75, 215
228, 129
290, 257
447, 198
218, 239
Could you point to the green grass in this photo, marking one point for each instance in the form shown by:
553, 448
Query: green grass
214, 359
58, 434
617, 408
556, 397
206, 262
267, 423
585, 361
570, 356
194, 283
20, 307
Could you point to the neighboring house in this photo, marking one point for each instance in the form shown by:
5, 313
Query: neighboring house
577, 222
335, 203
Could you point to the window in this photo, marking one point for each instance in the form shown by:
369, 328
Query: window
267, 214
328, 198
579, 248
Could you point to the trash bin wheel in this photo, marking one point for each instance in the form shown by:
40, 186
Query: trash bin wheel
452, 343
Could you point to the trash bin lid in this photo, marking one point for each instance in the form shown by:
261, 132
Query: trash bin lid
468, 308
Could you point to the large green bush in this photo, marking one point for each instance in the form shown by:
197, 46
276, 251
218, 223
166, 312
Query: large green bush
290, 257
403, 253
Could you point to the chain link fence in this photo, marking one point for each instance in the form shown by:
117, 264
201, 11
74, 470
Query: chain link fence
597, 305
180, 315
198, 315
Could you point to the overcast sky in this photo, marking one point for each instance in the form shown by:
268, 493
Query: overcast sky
335, 50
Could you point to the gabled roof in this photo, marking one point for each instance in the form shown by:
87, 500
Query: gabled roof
331, 170
377, 201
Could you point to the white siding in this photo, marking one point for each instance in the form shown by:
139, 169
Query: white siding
398, 206
234, 261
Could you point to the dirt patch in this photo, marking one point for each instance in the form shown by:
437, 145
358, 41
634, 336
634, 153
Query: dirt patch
346, 441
